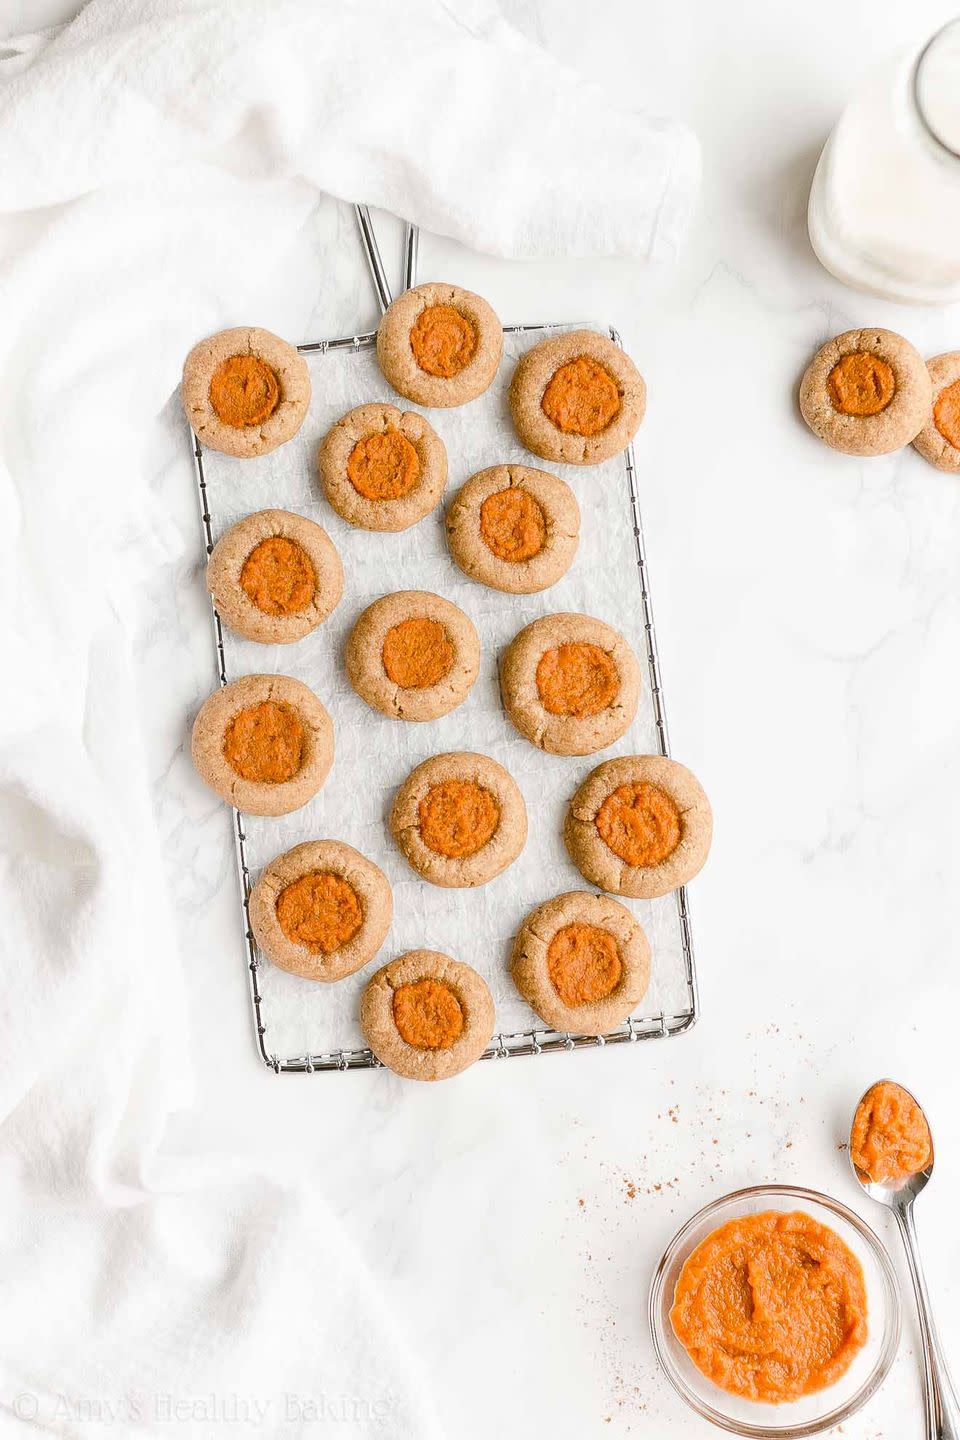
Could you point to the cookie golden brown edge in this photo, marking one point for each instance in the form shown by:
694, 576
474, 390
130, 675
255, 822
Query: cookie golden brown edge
275, 576
245, 391
439, 345
427, 1016
577, 398
582, 963
866, 392
383, 469
321, 910
514, 528
639, 826
263, 743
459, 819
413, 655
570, 683
939, 440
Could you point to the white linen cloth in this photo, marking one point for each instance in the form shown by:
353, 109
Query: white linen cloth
148, 152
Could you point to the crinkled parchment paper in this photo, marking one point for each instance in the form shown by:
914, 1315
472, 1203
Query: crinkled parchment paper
374, 754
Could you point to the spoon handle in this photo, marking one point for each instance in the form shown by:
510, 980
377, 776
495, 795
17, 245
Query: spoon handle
943, 1413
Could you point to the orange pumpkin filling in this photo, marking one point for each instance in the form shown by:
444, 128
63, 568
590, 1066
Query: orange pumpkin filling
640, 823
890, 1139
861, 384
427, 1014
581, 398
384, 466
946, 414
457, 818
513, 525
265, 743
417, 653
321, 912
583, 963
244, 390
771, 1306
577, 679
443, 341
278, 576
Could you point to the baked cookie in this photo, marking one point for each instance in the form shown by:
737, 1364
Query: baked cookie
439, 345
514, 528
274, 576
381, 469
245, 391
577, 398
639, 826
866, 392
426, 1016
413, 655
321, 910
459, 819
939, 440
570, 684
263, 743
581, 962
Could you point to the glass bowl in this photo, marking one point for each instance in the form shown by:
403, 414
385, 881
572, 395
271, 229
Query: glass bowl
813, 1413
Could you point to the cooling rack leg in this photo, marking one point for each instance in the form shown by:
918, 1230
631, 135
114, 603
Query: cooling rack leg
411, 251
372, 251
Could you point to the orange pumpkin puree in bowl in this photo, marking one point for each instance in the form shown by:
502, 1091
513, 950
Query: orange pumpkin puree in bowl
578, 679
583, 963
512, 525
427, 1014
264, 743
890, 1138
457, 818
244, 390
383, 466
771, 1307
640, 823
417, 653
319, 911
581, 397
861, 384
278, 576
443, 341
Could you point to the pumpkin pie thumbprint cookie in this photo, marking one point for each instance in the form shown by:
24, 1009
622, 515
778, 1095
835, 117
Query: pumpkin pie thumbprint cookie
939, 440
570, 684
382, 469
245, 391
274, 576
581, 962
439, 345
577, 398
264, 744
413, 656
639, 826
866, 392
321, 910
459, 819
426, 1016
514, 528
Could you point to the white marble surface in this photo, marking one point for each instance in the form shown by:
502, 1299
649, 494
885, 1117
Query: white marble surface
808, 609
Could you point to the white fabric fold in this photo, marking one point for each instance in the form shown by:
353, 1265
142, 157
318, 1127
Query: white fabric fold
159, 160
440, 113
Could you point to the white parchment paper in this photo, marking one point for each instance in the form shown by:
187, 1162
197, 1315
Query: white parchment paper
374, 754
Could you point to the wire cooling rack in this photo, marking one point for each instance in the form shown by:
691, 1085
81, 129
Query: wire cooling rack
535, 1041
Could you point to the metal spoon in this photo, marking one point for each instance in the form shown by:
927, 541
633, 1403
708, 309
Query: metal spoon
943, 1413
